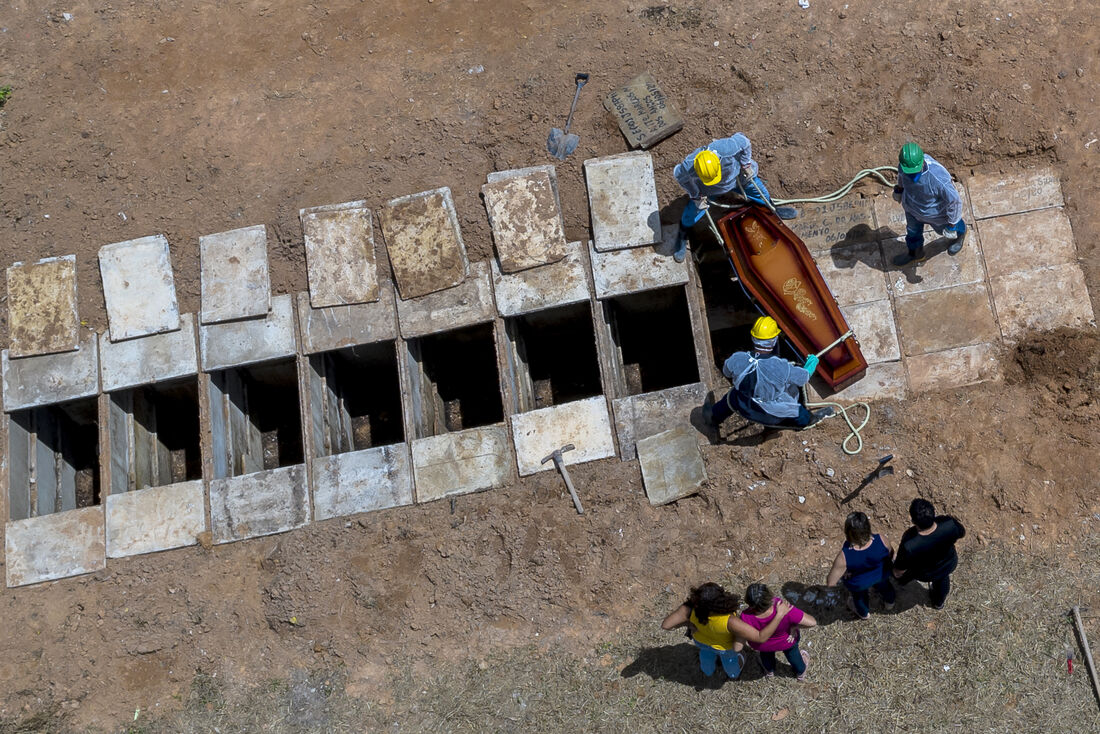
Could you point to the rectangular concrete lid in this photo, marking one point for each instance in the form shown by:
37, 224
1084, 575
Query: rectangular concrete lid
42, 315
234, 276
622, 201
424, 242
139, 288
526, 221
340, 256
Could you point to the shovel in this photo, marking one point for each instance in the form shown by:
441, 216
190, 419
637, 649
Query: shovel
562, 143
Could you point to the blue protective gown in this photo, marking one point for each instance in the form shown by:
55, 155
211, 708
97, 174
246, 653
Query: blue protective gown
933, 200
777, 382
735, 152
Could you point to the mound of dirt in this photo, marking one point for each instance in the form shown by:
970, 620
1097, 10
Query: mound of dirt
1066, 363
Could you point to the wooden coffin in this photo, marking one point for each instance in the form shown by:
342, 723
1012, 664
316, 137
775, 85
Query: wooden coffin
776, 269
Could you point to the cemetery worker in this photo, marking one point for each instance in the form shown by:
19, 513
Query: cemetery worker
724, 166
928, 197
863, 563
766, 387
710, 614
927, 550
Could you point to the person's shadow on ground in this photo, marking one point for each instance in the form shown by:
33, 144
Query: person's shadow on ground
830, 604
861, 245
680, 664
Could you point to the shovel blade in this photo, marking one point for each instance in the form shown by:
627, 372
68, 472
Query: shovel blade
561, 145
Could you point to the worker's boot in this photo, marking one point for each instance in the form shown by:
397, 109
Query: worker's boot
680, 253
957, 245
786, 212
910, 257
819, 415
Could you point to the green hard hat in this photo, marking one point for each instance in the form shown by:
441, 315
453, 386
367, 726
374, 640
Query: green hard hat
911, 158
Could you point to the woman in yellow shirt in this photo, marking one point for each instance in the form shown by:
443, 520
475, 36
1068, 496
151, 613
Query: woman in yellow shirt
711, 613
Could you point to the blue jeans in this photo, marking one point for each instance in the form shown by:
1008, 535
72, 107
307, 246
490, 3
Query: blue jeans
709, 657
794, 657
861, 599
723, 409
914, 231
755, 190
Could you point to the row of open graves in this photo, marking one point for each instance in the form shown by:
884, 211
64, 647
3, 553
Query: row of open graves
246, 426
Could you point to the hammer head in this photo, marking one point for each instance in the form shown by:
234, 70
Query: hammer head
558, 452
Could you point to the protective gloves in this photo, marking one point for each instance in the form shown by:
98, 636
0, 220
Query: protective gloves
811, 364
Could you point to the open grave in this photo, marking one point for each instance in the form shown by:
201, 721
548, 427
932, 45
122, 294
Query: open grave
552, 355
652, 343
54, 455
355, 399
454, 381
154, 435
258, 484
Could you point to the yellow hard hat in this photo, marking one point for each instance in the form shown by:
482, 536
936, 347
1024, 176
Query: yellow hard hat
708, 167
765, 328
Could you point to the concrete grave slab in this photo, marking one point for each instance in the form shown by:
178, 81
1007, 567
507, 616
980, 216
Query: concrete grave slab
149, 359
619, 272
1018, 242
51, 378
873, 324
941, 319
844, 222
261, 503
547, 168
461, 462
642, 416
469, 303
853, 273
940, 270
1042, 299
996, 194
234, 280
672, 465
890, 217
340, 257
424, 242
882, 381
42, 316
622, 201
646, 115
583, 423
954, 368
361, 481
546, 286
336, 327
234, 343
526, 221
155, 519
138, 288
54, 546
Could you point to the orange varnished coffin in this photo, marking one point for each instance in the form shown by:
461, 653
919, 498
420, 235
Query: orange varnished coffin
776, 269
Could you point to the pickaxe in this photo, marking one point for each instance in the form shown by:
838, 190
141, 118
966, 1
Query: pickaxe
556, 456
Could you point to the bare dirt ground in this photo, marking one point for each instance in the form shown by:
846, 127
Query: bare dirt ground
136, 118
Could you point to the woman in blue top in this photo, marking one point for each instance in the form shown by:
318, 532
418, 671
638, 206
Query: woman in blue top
863, 563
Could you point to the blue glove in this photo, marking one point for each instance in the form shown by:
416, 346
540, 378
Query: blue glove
811, 364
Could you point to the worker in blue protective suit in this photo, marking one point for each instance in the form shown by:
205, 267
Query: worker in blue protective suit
928, 197
723, 167
766, 387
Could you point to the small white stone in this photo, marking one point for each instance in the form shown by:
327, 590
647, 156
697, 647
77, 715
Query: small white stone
829, 472
801, 500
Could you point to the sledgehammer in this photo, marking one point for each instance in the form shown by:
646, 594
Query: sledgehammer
556, 456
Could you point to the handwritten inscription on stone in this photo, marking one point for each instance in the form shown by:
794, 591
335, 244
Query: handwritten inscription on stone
820, 226
646, 116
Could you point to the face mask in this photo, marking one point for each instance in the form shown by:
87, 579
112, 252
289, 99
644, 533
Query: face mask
914, 177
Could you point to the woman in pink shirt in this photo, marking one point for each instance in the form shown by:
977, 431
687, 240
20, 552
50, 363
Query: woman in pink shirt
760, 612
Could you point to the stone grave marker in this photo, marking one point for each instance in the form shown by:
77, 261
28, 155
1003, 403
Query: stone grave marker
646, 115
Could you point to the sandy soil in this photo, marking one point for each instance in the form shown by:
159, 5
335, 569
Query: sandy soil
185, 119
